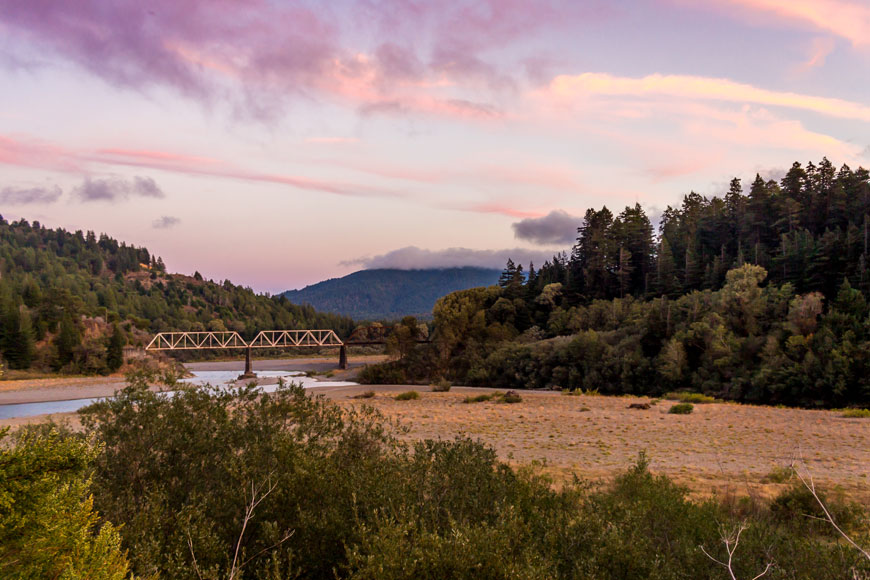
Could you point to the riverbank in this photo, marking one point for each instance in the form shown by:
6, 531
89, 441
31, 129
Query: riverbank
69, 388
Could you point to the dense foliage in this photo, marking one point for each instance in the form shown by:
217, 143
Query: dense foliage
246, 484
696, 310
388, 294
48, 527
60, 292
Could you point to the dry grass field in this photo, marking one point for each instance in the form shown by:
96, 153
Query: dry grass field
718, 448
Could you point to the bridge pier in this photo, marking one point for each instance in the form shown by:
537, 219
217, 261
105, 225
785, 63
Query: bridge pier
342, 357
249, 366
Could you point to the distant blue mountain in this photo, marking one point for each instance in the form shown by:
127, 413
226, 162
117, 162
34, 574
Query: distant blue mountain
388, 294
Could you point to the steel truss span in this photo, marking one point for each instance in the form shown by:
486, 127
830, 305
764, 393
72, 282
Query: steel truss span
196, 340
290, 338
229, 339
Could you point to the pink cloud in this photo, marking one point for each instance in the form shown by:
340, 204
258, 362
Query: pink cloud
501, 209
849, 19
195, 165
32, 153
820, 49
567, 88
29, 153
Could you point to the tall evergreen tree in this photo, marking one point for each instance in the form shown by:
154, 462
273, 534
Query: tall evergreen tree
115, 349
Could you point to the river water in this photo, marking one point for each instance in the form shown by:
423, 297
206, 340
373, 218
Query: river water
217, 378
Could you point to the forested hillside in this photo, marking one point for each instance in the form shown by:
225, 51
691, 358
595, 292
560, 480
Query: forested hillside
389, 294
71, 300
759, 297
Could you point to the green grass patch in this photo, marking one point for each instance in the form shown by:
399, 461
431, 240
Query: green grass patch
495, 397
681, 409
478, 398
695, 398
856, 413
408, 396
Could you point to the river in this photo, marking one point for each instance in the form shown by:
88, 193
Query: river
200, 377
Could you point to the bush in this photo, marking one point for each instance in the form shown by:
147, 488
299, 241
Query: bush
441, 386
798, 507
407, 396
681, 409
856, 413
511, 397
382, 374
364, 395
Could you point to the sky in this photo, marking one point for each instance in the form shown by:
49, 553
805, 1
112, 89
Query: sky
279, 143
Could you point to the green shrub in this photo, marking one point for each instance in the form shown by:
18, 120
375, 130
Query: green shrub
382, 374
779, 474
441, 386
856, 413
798, 507
407, 396
511, 397
681, 409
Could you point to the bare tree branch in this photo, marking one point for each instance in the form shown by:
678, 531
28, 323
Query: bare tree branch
257, 496
193, 555
731, 541
810, 484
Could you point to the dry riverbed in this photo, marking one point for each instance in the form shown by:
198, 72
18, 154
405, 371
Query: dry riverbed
722, 447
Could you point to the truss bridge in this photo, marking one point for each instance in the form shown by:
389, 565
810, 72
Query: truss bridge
265, 339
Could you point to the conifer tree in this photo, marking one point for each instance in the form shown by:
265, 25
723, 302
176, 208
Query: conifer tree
115, 349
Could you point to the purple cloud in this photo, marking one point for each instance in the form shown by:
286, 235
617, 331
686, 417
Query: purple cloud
557, 227
116, 189
414, 258
259, 52
29, 195
165, 222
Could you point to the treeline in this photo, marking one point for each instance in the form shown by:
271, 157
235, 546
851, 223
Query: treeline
247, 484
71, 300
697, 309
810, 229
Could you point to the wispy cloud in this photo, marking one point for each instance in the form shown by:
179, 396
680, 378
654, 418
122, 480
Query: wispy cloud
117, 189
557, 227
849, 19
414, 258
820, 48
30, 195
695, 88
165, 222
499, 208
197, 165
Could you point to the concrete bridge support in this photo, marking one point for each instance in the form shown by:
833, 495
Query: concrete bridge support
342, 357
249, 366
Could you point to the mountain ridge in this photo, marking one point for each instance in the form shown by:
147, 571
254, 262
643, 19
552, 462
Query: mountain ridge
390, 293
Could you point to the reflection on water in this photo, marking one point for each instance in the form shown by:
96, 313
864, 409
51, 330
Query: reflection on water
198, 378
